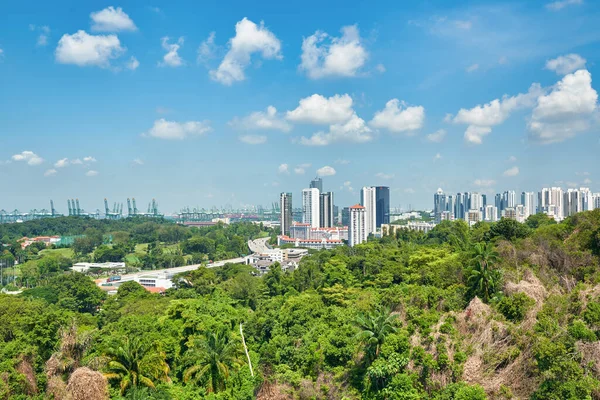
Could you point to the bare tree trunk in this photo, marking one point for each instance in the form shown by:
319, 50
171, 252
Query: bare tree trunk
246, 350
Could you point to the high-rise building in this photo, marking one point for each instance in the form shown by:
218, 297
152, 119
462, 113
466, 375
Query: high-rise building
346, 216
459, 206
475, 201
498, 202
368, 200
439, 204
326, 210
550, 202
490, 213
510, 198
382, 205
317, 183
357, 231
596, 200
310, 207
528, 201
285, 205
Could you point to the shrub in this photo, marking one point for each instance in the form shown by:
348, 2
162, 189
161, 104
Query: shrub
514, 307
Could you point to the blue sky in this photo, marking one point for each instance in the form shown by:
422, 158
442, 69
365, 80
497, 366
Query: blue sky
208, 104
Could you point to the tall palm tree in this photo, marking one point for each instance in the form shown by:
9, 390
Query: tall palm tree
374, 327
213, 356
483, 280
70, 352
484, 253
135, 362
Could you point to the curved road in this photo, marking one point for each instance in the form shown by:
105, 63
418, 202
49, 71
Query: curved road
256, 246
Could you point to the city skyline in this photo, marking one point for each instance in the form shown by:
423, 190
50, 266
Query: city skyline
163, 102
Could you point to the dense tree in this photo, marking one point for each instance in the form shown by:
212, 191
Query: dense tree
373, 329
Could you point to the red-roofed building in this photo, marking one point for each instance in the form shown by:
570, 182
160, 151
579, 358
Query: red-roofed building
316, 244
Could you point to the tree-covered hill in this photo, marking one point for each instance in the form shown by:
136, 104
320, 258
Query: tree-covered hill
496, 311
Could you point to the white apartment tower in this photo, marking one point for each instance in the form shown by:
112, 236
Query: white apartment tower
528, 201
368, 200
357, 232
310, 207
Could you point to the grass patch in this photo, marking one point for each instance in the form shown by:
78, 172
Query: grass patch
66, 252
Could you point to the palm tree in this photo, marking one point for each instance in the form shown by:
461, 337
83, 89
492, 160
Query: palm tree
374, 327
134, 362
484, 253
483, 281
213, 356
70, 352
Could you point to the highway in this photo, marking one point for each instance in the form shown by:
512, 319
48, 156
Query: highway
255, 246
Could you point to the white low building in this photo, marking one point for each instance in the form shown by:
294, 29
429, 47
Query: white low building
109, 266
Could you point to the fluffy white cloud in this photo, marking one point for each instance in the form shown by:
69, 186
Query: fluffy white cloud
89, 159
560, 4
253, 139
164, 129
384, 176
42, 39
566, 64
484, 182
380, 68
342, 161
249, 39
437, 136
354, 130
397, 117
437, 157
207, 49
283, 169
261, 120
138, 161
132, 64
326, 171
474, 134
566, 111
76, 161
481, 118
91, 173
514, 171
29, 157
347, 186
171, 58
340, 56
512, 159
319, 110
472, 68
61, 163
111, 20
84, 50
50, 172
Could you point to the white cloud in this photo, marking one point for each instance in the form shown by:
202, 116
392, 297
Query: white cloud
50, 172
342, 162
111, 20
283, 169
481, 118
566, 111
587, 181
343, 56
384, 176
319, 110
514, 171
261, 120
326, 171
85, 50
397, 117
207, 49
89, 159
472, 68
138, 161
474, 134
249, 39
253, 139
76, 161
566, 64
301, 169
484, 182
62, 163
512, 159
164, 129
132, 64
437, 136
380, 68
172, 58
560, 4
91, 173
409, 190
437, 157
347, 186
354, 131
1, 54
29, 157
